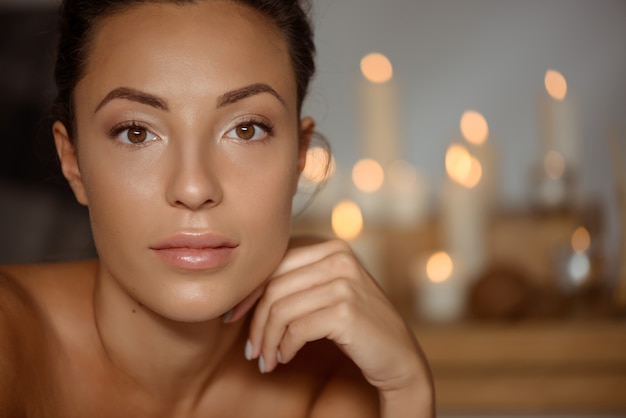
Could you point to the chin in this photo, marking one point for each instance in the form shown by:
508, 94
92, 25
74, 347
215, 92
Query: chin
195, 303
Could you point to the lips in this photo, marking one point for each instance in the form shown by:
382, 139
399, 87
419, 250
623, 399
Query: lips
195, 251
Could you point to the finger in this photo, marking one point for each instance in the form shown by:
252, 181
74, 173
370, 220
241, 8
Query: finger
302, 255
295, 306
319, 324
297, 256
335, 265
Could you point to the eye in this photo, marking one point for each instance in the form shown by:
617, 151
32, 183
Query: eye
250, 131
133, 134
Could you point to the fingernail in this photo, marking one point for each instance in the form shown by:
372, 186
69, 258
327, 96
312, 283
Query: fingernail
279, 358
248, 352
261, 364
226, 316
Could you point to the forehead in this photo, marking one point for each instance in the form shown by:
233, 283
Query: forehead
187, 50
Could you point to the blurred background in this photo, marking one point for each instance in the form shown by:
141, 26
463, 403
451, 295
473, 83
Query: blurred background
478, 168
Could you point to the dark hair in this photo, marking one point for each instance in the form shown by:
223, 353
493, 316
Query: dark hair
79, 20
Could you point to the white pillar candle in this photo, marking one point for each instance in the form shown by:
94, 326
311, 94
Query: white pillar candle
440, 293
560, 119
379, 120
464, 214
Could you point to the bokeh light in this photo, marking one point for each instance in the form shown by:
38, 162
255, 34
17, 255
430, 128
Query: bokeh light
474, 127
581, 240
376, 68
439, 267
320, 165
368, 175
463, 167
556, 85
347, 220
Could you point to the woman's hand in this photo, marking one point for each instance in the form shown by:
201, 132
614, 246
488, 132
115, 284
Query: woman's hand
322, 291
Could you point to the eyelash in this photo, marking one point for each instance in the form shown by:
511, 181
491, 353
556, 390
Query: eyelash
124, 126
260, 122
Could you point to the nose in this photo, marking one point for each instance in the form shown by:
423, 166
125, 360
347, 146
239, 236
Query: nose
193, 182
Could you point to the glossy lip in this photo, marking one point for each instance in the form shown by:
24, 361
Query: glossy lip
192, 251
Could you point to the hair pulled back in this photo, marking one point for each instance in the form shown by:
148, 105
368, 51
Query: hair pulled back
79, 20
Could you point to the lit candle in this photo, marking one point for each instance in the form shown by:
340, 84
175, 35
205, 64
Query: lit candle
441, 296
379, 109
464, 213
475, 130
347, 223
559, 118
368, 178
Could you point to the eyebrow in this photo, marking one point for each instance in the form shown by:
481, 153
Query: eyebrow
234, 96
135, 96
225, 99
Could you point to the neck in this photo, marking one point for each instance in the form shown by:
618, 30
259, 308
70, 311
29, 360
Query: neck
168, 360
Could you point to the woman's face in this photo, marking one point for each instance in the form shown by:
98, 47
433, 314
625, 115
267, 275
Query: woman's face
187, 144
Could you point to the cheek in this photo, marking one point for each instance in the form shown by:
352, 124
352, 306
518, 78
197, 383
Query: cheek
120, 195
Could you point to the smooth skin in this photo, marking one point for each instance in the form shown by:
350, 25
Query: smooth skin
189, 127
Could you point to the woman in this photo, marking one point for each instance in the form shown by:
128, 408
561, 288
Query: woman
178, 126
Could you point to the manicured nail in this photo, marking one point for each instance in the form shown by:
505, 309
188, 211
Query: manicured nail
261, 364
248, 352
226, 316
279, 358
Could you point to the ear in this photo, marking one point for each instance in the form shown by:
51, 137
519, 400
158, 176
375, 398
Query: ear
69, 161
307, 128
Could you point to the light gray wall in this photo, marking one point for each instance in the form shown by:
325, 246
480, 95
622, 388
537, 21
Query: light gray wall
488, 55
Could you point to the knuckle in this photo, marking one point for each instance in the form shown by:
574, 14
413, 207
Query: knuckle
339, 245
272, 290
344, 263
277, 310
343, 288
345, 311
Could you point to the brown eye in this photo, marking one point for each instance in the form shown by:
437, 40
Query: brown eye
136, 135
245, 131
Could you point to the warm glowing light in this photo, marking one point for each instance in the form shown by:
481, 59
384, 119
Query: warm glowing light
474, 127
581, 240
463, 167
368, 175
320, 165
347, 220
458, 161
554, 164
439, 267
376, 68
555, 84
402, 176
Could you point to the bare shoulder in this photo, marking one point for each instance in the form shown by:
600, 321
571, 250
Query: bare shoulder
345, 393
47, 289
30, 297
11, 305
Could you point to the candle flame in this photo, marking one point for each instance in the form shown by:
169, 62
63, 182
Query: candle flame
474, 127
463, 167
376, 68
347, 220
581, 240
368, 175
555, 84
439, 267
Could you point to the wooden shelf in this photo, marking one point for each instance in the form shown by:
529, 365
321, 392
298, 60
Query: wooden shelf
534, 367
